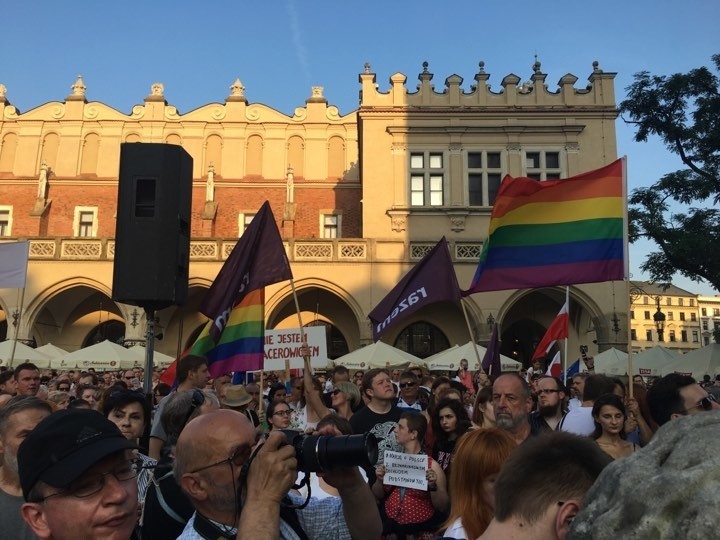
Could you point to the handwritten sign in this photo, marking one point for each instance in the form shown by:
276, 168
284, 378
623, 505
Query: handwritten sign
282, 344
406, 470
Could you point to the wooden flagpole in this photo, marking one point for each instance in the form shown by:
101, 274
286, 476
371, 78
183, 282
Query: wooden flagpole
565, 361
21, 293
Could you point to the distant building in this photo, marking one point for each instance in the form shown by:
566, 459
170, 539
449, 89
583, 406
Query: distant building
681, 330
709, 308
359, 198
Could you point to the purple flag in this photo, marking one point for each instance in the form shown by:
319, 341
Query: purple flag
258, 259
431, 280
491, 360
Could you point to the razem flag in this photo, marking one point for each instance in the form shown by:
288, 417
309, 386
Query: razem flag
13, 264
555, 368
558, 330
257, 260
431, 280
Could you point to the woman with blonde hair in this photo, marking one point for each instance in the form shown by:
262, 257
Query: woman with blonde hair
479, 455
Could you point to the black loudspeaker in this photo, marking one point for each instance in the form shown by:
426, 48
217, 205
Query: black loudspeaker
152, 235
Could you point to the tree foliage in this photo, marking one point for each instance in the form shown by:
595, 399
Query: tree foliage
678, 211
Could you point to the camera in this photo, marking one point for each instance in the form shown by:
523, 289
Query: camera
324, 453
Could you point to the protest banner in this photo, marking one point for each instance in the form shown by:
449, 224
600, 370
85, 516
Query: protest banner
285, 344
406, 470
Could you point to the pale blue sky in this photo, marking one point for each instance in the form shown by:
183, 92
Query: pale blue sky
280, 48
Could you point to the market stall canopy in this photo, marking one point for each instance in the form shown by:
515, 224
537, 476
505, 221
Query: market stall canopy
377, 355
159, 359
449, 359
705, 361
23, 353
611, 362
103, 355
650, 362
53, 351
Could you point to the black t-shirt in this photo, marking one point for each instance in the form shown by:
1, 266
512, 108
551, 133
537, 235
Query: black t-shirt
380, 425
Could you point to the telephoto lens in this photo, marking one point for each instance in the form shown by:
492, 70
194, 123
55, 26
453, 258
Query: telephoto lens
316, 453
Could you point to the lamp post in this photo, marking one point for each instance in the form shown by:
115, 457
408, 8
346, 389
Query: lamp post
659, 318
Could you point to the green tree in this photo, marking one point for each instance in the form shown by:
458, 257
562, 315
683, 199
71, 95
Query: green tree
678, 211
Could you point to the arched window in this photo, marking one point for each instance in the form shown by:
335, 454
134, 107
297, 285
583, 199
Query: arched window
422, 339
296, 156
173, 138
7, 152
132, 137
111, 330
254, 155
50, 149
336, 158
91, 146
213, 154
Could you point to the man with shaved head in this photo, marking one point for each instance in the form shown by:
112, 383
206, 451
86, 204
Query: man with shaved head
209, 460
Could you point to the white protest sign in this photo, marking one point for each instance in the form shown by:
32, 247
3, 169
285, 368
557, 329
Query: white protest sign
282, 344
406, 470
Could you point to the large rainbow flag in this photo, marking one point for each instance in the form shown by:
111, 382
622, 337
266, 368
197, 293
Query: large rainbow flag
556, 232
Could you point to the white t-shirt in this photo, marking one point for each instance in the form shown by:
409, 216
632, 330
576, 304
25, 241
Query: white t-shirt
579, 421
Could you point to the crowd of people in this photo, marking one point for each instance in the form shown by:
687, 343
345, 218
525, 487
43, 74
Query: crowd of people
88, 455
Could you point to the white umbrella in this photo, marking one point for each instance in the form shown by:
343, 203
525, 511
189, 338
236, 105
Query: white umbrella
23, 353
705, 361
53, 351
611, 362
377, 355
159, 359
449, 359
650, 362
103, 355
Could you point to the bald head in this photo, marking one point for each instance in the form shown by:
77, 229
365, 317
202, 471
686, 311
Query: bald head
205, 439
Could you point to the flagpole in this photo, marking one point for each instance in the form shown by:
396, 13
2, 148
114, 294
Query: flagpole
17, 327
306, 355
626, 249
567, 301
472, 337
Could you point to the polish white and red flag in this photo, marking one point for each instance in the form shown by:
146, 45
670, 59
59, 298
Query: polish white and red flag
555, 368
558, 330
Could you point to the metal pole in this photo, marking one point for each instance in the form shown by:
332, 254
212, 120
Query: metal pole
149, 349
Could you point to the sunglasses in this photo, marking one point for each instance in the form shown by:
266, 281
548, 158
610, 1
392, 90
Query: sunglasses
406, 384
706, 403
336, 392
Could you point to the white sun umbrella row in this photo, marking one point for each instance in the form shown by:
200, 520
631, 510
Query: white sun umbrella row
101, 356
382, 355
659, 361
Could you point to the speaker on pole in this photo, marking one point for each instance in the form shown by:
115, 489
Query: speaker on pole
152, 235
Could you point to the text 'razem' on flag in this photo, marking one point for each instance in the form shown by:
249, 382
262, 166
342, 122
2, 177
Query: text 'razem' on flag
257, 260
431, 280
13, 264
555, 232
558, 330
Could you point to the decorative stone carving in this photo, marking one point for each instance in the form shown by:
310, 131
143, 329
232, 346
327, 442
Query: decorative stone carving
317, 91
79, 87
237, 89
157, 89
210, 183
316, 95
290, 186
3, 91
398, 149
457, 222
455, 148
43, 180
398, 221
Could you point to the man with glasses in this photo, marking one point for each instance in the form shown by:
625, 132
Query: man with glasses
409, 390
677, 395
211, 454
549, 412
78, 476
63, 385
18, 417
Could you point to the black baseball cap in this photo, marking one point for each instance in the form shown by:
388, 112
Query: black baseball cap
66, 444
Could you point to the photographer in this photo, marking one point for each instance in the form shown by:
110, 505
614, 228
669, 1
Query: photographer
210, 456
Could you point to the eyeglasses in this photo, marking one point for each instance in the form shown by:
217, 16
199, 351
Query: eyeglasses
93, 483
238, 458
63, 388
336, 392
282, 413
706, 403
198, 399
406, 384
548, 391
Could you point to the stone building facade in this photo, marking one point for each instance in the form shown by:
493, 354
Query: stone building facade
359, 198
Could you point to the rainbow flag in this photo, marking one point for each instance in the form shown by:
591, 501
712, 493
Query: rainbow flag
242, 343
556, 232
